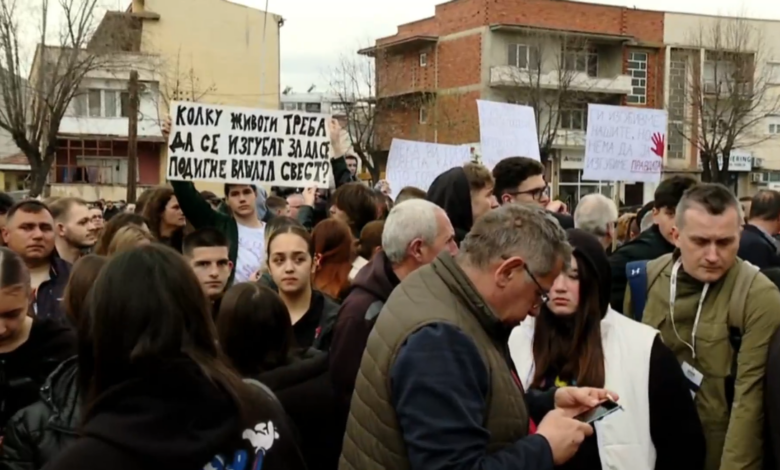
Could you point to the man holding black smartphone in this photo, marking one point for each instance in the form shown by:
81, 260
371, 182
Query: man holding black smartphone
454, 400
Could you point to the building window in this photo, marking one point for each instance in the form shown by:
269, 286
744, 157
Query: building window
98, 170
423, 115
574, 119
676, 147
637, 69
774, 128
124, 104
101, 103
289, 106
581, 60
94, 103
774, 73
571, 188
524, 57
423, 60
314, 107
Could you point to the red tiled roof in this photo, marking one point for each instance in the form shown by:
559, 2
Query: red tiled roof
15, 159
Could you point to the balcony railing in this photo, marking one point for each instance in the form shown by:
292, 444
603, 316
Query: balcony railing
509, 76
115, 126
566, 138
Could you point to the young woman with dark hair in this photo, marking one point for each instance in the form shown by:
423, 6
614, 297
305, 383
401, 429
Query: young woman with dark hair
38, 433
256, 334
577, 339
166, 219
116, 223
155, 391
334, 250
291, 264
30, 348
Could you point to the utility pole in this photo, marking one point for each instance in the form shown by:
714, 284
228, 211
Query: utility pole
132, 136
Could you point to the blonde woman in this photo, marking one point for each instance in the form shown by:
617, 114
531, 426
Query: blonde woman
127, 238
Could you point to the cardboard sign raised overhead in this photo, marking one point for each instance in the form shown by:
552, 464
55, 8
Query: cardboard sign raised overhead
419, 163
249, 146
506, 130
624, 144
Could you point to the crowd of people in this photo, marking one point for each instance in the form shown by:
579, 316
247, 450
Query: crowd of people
467, 326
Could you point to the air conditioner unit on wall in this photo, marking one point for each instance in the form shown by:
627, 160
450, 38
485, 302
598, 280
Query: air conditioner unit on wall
758, 162
756, 177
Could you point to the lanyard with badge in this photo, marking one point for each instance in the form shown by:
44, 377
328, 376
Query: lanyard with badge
694, 376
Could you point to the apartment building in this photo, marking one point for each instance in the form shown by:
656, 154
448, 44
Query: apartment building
706, 56
315, 103
92, 147
235, 63
430, 74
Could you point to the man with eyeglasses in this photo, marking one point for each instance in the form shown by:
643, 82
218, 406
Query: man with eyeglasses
521, 179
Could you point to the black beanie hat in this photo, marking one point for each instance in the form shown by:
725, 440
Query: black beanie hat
589, 248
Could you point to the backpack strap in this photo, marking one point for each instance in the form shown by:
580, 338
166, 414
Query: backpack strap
636, 273
736, 320
650, 270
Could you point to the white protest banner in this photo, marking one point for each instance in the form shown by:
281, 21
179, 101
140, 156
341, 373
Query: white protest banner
624, 144
249, 146
506, 130
419, 163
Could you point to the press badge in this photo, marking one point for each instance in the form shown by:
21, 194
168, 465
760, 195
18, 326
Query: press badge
693, 376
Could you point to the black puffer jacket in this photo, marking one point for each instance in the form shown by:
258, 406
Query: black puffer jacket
304, 389
38, 433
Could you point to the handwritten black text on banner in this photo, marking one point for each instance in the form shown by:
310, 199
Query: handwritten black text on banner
624, 144
249, 146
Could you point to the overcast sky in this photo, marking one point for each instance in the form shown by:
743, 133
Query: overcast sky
317, 32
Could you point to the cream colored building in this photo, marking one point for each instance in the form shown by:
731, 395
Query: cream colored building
690, 42
212, 51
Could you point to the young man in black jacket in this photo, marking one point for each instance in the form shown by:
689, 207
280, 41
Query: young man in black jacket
653, 242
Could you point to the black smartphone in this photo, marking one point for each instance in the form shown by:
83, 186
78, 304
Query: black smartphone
600, 411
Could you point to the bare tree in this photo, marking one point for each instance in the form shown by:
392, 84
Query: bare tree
370, 103
552, 74
728, 94
32, 109
180, 82
353, 81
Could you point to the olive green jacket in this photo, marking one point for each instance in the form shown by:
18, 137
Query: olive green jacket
437, 293
734, 438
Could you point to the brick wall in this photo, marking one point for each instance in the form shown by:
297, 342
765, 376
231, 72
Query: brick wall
459, 60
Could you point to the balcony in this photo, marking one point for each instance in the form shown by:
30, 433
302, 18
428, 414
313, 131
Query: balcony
509, 76
113, 126
569, 138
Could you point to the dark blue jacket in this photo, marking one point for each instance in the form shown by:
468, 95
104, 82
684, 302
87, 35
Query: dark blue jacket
758, 248
48, 297
449, 390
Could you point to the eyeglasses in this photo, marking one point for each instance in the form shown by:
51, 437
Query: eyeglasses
536, 193
544, 296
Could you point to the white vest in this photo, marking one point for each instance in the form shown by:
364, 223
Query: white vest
623, 438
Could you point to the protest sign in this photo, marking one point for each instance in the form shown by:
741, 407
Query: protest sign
248, 146
506, 130
419, 163
624, 144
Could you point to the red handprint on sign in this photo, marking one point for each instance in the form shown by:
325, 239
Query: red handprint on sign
659, 144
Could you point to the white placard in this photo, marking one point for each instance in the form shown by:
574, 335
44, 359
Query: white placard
624, 144
226, 144
419, 163
506, 130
